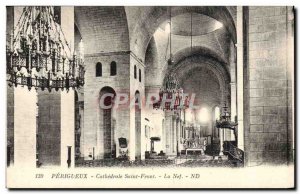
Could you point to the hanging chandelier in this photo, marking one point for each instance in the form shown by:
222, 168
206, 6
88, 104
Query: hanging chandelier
171, 95
171, 90
38, 54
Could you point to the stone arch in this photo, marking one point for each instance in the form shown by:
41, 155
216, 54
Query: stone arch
77, 37
150, 18
214, 66
198, 50
103, 28
151, 61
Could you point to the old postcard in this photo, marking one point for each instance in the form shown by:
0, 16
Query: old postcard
150, 97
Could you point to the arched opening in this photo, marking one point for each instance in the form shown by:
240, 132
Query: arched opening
140, 75
208, 80
113, 68
98, 69
200, 63
203, 115
137, 109
162, 14
204, 119
204, 84
134, 72
107, 121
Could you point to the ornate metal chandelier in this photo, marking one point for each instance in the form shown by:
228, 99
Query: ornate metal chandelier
38, 54
171, 91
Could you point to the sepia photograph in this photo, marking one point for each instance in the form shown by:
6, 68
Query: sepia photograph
150, 97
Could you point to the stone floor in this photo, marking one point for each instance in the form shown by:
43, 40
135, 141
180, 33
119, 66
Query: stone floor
180, 161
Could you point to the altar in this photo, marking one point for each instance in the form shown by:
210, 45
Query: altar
195, 145
201, 149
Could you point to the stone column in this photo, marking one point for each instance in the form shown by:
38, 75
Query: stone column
131, 145
25, 113
81, 112
233, 95
168, 130
67, 98
221, 132
67, 122
240, 78
56, 112
177, 136
290, 76
174, 131
24, 105
233, 107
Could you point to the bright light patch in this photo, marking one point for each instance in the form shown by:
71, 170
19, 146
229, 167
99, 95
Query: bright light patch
218, 25
189, 116
168, 28
217, 113
203, 115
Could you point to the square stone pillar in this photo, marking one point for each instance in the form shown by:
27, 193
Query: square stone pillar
137, 85
240, 78
174, 135
131, 145
233, 106
49, 128
67, 98
168, 131
56, 112
25, 113
67, 122
67, 25
291, 83
233, 88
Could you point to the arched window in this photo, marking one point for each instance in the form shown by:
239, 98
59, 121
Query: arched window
113, 68
98, 69
217, 113
203, 115
140, 75
135, 72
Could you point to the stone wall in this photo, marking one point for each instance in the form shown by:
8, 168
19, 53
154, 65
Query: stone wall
10, 95
10, 124
269, 132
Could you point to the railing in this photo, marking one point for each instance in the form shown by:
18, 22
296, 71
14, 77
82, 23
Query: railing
194, 143
233, 152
